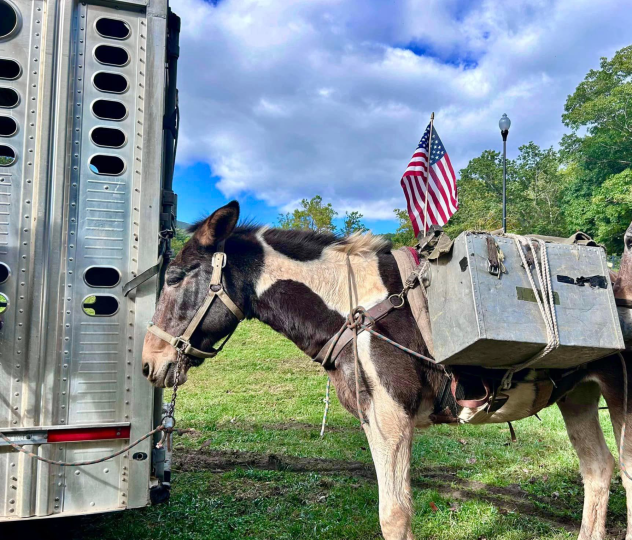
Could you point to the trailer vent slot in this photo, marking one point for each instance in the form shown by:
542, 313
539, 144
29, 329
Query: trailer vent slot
8, 19
9, 69
9, 98
106, 109
110, 82
8, 126
5, 272
7, 156
111, 56
102, 276
108, 137
100, 305
4, 303
113, 28
107, 165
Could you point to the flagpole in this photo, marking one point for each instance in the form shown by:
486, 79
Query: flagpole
428, 176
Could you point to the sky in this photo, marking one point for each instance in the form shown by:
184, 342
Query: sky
287, 99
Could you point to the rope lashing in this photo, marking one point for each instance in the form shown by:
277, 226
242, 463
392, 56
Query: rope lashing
545, 301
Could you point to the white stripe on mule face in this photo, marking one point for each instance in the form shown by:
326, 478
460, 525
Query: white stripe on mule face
326, 276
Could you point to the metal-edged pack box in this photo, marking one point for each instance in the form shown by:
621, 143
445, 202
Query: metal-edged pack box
490, 319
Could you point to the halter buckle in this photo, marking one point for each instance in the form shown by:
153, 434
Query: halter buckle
181, 344
220, 255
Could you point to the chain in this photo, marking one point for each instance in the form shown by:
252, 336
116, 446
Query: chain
166, 427
174, 392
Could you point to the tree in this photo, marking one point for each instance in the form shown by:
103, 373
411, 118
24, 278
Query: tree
602, 107
352, 223
535, 187
312, 216
404, 235
179, 239
537, 197
480, 194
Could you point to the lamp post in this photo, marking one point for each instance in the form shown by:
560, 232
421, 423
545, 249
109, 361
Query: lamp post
504, 124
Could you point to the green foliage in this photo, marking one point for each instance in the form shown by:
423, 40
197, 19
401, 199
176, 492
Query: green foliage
352, 223
534, 193
89, 300
318, 217
312, 216
404, 235
599, 161
480, 194
177, 242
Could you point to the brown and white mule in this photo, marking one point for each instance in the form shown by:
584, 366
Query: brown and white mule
296, 282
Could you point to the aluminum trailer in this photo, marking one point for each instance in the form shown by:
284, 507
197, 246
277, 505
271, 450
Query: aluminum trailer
87, 133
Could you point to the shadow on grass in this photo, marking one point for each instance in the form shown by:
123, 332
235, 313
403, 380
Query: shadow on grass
510, 498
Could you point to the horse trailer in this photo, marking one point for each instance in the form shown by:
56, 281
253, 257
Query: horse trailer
88, 126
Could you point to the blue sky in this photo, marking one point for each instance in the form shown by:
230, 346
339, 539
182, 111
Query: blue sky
286, 99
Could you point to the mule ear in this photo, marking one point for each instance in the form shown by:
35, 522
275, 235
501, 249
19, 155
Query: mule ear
219, 225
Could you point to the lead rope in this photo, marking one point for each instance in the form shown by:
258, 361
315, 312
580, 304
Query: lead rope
165, 428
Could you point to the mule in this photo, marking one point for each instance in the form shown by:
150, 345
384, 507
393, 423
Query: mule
296, 282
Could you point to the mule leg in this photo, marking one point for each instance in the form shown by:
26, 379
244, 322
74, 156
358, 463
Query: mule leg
390, 435
580, 411
612, 388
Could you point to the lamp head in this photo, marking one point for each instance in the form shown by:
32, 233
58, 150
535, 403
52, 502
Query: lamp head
504, 123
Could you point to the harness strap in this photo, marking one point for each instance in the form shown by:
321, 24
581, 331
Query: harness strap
216, 290
338, 342
147, 274
470, 403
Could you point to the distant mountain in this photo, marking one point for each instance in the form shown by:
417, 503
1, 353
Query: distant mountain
182, 225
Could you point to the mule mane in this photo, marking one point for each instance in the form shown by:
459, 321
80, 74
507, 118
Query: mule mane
360, 244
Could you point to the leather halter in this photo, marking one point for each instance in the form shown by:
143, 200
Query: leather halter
182, 343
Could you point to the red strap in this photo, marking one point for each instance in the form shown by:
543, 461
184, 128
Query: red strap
470, 403
413, 252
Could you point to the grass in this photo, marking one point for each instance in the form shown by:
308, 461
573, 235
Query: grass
252, 465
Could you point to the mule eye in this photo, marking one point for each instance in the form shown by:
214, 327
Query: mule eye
174, 279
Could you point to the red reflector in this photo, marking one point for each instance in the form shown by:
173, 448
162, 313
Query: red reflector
88, 434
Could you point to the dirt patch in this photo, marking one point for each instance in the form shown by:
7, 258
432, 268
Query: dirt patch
511, 498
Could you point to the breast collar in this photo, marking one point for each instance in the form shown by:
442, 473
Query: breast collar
182, 343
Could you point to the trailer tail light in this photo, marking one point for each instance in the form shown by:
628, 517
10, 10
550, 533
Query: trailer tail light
88, 434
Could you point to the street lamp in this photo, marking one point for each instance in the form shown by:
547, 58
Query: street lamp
504, 124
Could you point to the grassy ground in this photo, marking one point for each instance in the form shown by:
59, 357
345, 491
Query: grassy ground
252, 465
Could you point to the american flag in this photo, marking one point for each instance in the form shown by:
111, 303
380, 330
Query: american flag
441, 184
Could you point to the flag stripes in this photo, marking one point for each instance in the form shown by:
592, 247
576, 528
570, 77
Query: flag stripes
440, 184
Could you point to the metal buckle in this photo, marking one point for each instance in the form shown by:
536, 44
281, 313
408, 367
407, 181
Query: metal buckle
220, 255
181, 344
402, 300
493, 269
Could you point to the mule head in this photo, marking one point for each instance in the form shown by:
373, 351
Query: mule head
186, 286
623, 285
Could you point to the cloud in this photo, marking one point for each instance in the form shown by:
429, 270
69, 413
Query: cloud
287, 99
